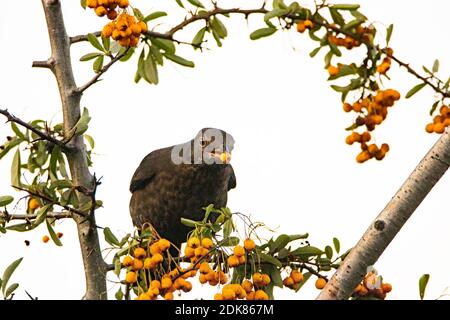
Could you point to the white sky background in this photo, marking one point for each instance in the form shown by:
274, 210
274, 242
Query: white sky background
294, 170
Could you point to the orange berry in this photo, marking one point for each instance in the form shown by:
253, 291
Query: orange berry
251, 295
131, 277
107, 31
211, 275
363, 291
149, 263
297, 276
202, 279
387, 287
136, 29
140, 253
429, 128
100, 11
157, 258
439, 127
155, 284
358, 288
163, 244
199, 252
309, 24
166, 282
92, 4
239, 251
384, 147
261, 295
241, 259
233, 261
45, 239
193, 242
265, 280
218, 296
347, 107
288, 282
320, 283
123, 3
127, 261
207, 243
144, 296
301, 26
59, 235
332, 70
373, 149
257, 278
228, 294
138, 264
247, 285
365, 137
134, 41
33, 204
221, 277
168, 296
187, 286
124, 42
205, 268
362, 157
444, 111
249, 244
189, 252
112, 14
155, 248
143, 26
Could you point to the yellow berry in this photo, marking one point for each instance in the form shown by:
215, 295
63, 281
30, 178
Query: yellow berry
127, 261
249, 244
131, 277
233, 261
100, 11
140, 253
297, 276
168, 296
33, 204
238, 251
45, 239
261, 295
218, 296
207, 243
320, 283
193, 242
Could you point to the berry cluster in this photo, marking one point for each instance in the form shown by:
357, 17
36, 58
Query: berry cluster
293, 280
349, 42
197, 248
372, 287
372, 111
124, 28
303, 25
440, 122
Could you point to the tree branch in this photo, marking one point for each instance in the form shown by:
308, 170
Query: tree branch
389, 222
105, 68
41, 134
44, 64
54, 215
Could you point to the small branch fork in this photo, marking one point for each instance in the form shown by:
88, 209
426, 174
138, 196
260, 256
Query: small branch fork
43, 135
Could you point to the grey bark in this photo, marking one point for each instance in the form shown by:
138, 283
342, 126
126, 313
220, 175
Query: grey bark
389, 222
61, 66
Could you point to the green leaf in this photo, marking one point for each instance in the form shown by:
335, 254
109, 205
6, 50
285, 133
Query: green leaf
294, 237
11, 289
433, 107
129, 53
106, 43
5, 200
414, 90
435, 66
110, 237
307, 251
82, 123
275, 13
280, 243
352, 24
16, 170
20, 227
155, 15
90, 140
275, 277
189, 223
138, 14
53, 234
164, 44
98, 64
150, 70
217, 38
261, 33
337, 245
119, 294
389, 33
16, 130
198, 39
229, 242
179, 60
83, 4
180, 3
219, 27
423, 281
227, 228
328, 252
41, 214
336, 16
346, 6
8, 273
196, 3
268, 258
90, 56
94, 42
279, 4
313, 53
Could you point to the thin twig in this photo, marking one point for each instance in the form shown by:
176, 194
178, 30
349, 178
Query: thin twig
49, 200
53, 215
41, 134
105, 68
44, 64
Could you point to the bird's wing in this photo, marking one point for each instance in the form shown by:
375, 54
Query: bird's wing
147, 169
231, 178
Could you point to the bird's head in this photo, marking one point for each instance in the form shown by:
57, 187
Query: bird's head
212, 146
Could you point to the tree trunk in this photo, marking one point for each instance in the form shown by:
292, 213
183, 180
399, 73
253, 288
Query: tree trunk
60, 64
389, 222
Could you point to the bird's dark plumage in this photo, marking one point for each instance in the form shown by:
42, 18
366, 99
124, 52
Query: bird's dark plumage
164, 190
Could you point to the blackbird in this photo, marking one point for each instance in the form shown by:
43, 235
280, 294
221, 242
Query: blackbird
179, 181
